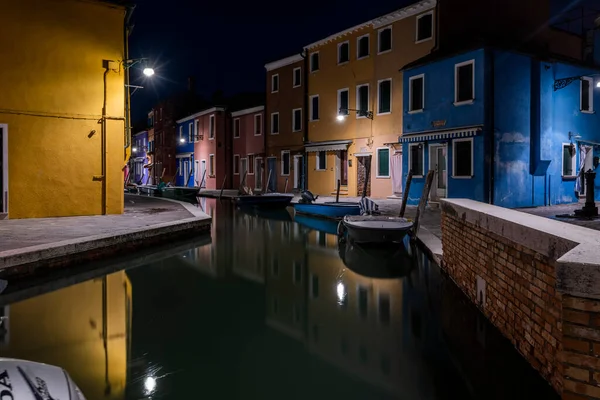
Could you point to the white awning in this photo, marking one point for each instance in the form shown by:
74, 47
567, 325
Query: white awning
337, 145
363, 154
438, 135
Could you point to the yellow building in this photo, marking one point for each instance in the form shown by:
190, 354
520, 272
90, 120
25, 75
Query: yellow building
357, 71
61, 150
84, 329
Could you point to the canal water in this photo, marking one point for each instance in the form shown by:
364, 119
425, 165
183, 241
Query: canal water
267, 308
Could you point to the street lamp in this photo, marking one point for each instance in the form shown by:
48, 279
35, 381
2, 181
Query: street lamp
182, 140
148, 71
343, 112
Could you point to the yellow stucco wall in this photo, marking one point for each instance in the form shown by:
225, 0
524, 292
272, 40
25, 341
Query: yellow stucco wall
367, 135
51, 100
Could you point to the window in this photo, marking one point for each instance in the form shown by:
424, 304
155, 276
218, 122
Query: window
569, 168
297, 77
211, 127
343, 102
321, 160
362, 100
362, 47
464, 83
384, 40
424, 27
384, 98
211, 164
462, 157
191, 132
196, 130
587, 94
250, 164
343, 52
257, 124
314, 286
274, 83
314, 107
274, 123
415, 93
297, 120
236, 128
314, 62
285, 162
415, 159
297, 272
383, 162
236, 164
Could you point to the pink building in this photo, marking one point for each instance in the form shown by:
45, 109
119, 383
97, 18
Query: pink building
249, 147
212, 148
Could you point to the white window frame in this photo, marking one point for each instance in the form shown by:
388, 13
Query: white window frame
311, 108
319, 167
248, 163
294, 120
311, 61
410, 93
211, 164
294, 77
255, 124
211, 127
456, 67
236, 122
357, 100
358, 46
590, 94
289, 162
339, 105
180, 133
236, 163
379, 40
339, 46
379, 96
377, 161
245, 159
273, 78
573, 162
454, 141
410, 145
417, 27
191, 132
196, 130
278, 123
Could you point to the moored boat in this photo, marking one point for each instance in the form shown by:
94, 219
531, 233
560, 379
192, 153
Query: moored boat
267, 200
382, 260
331, 210
150, 190
180, 193
374, 228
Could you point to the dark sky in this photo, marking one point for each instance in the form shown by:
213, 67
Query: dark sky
225, 44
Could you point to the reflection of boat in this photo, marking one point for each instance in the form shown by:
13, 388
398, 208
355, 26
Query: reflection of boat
375, 228
33, 380
267, 200
180, 193
382, 260
272, 214
333, 210
317, 224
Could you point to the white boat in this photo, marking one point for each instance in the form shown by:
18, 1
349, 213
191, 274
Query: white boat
374, 228
28, 380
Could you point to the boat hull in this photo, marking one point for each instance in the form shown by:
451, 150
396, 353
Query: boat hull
376, 229
327, 210
264, 201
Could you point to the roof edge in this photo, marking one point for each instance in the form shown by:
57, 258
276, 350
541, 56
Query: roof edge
283, 62
200, 113
247, 111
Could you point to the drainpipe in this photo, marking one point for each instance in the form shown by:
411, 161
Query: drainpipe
127, 32
304, 55
492, 127
103, 130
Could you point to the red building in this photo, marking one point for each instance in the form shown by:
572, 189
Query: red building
248, 137
212, 150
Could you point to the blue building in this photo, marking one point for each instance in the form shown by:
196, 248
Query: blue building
139, 158
502, 127
186, 138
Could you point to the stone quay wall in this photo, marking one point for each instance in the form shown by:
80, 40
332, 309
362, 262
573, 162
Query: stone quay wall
538, 281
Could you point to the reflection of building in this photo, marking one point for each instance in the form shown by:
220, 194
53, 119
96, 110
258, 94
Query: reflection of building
70, 328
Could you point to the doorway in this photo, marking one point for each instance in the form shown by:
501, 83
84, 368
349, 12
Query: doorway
258, 173
203, 173
438, 162
364, 168
586, 161
186, 172
341, 168
298, 172
196, 176
272, 173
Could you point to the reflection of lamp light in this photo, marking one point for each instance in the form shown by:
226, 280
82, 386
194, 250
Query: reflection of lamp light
150, 384
341, 291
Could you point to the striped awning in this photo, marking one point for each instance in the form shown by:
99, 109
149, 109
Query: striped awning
438, 135
336, 145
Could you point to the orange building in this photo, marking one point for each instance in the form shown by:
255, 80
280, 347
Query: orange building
355, 101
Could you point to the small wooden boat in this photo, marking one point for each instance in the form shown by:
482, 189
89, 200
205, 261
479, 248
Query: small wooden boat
267, 200
374, 228
330, 210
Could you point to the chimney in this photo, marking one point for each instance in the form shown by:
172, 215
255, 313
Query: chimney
191, 84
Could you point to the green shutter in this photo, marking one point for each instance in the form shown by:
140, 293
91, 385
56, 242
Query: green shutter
383, 167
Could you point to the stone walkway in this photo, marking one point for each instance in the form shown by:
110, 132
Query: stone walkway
564, 209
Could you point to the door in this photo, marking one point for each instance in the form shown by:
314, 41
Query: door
243, 169
298, 171
272, 172
202, 177
438, 162
196, 175
343, 168
258, 173
186, 172
586, 162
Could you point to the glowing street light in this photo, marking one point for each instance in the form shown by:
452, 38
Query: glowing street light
134, 149
148, 71
341, 117
343, 113
182, 140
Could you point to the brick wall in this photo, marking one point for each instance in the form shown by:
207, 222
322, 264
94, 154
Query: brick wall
520, 295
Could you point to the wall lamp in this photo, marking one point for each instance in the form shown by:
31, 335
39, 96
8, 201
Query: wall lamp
343, 113
564, 82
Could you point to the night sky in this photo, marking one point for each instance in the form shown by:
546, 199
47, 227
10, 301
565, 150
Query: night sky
225, 44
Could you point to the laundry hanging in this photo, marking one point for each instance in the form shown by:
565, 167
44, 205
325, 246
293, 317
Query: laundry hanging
396, 165
586, 151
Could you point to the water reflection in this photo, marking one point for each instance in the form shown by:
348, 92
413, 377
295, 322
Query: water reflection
269, 308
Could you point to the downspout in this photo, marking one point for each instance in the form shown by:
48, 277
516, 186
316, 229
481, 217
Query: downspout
103, 130
304, 55
492, 126
127, 32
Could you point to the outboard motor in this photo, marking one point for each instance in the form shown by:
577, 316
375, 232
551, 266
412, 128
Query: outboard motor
306, 197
